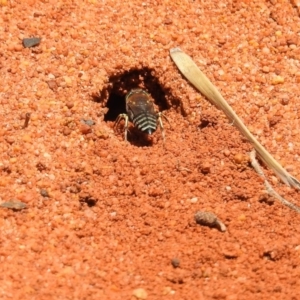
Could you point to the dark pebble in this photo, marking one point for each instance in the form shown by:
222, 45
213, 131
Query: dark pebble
31, 42
175, 262
44, 193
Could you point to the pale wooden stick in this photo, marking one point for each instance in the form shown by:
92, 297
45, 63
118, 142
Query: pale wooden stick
198, 79
268, 186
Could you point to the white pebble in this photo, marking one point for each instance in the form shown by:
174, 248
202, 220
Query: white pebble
140, 293
194, 200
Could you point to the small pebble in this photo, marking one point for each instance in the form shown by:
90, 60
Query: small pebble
44, 193
205, 168
194, 200
69, 104
14, 205
52, 85
88, 122
31, 42
266, 50
266, 69
68, 81
140, 293
66, 131
88, 199
241, 217
226, 152
175, 262
238, 158
277, 80
166, 290
285, 100
85, 129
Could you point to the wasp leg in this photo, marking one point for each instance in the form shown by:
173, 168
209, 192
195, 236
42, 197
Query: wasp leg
163, 115
159, 120
118, 120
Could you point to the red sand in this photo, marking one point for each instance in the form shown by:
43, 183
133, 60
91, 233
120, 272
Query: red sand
118, 222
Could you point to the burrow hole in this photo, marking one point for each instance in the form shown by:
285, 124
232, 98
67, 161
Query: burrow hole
112, 96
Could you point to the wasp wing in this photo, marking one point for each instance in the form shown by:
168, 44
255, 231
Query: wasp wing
139, 103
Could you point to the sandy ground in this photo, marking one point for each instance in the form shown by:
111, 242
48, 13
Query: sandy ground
109, 219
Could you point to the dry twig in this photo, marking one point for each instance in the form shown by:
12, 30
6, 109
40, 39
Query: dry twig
27, 118
268, 186
199, 80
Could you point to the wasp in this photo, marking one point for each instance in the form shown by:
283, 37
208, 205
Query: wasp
140, 111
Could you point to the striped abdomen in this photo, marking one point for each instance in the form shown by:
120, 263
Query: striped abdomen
145, 122
141, 111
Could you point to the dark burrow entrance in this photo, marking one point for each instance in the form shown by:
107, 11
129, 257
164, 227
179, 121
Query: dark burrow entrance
119, 85
113, 97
